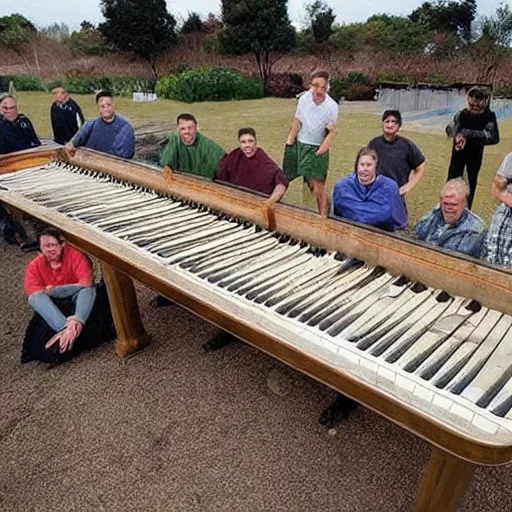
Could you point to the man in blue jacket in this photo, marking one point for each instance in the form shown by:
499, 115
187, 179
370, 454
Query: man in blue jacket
109, 133
16, 130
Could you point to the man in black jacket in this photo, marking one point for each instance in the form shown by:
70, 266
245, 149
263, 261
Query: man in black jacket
474, 128
66, 116
16, 130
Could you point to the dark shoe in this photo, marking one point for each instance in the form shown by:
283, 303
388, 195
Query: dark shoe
29, 246
337, 411
223, 339
162, 302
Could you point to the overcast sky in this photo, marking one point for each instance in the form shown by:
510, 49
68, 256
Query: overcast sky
72, 12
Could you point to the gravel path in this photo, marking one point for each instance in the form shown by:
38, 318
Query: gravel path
177, 429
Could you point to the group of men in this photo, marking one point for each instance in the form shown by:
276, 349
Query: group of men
374, 194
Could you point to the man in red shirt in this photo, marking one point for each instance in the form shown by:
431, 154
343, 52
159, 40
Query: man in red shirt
60, 271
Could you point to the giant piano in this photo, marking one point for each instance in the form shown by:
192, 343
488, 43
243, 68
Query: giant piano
421, 336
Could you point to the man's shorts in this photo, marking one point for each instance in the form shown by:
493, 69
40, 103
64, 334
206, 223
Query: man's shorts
300, 160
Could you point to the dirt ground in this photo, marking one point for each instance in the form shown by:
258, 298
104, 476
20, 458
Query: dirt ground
178, 429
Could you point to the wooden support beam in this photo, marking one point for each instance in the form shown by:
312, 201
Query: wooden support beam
444, 482
131, 335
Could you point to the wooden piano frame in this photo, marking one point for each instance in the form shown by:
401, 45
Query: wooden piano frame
454, 454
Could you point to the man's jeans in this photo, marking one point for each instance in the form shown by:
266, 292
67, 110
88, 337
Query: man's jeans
83, 297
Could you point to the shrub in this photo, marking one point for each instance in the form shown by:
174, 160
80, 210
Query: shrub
436, 78
353, 86
211, 44
118, 85
360, 92
503, 91
356, 78
27, 83
285, 85
209, 84
337, 88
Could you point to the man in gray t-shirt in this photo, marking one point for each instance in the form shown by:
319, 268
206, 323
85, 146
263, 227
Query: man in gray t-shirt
399, 158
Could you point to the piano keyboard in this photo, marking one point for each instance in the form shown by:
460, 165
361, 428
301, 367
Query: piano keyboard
447, 356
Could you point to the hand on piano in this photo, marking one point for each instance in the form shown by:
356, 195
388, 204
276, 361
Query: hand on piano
70, 150
268, 214
167, 173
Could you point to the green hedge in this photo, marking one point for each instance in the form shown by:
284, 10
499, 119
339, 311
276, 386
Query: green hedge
119, 85
209, 84
21, 83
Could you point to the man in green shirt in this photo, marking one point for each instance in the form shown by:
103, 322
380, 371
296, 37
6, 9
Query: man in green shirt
190, 151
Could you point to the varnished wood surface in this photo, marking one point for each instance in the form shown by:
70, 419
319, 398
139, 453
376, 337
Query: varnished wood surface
131, 335
445, 481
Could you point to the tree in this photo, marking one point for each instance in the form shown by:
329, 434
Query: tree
57, 31
321, 17
15, 32
448, 16
192, 24
261, 27
498, 28
492, 48
142, 27
89, 40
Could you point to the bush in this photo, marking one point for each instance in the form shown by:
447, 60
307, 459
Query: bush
21, 82
436, 78
211, 44
356, 78
118, 85
209, 84
503, 91
360, 92
285, 85
337, 88
353, 86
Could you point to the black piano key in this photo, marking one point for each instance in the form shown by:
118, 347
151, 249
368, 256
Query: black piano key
493, 390
398, 352
503, 408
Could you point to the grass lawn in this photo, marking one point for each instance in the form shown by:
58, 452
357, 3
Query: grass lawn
271, 117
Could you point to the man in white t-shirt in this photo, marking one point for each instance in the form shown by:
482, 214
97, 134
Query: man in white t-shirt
311, 135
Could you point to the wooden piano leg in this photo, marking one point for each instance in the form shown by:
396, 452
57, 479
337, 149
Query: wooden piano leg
444, 483
131, 335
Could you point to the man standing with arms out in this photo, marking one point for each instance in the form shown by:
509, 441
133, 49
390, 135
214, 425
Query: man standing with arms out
311, 135
109, 133
66, 116
190, 151
399, 158
474, 128
16, 130
451, 225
